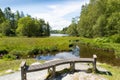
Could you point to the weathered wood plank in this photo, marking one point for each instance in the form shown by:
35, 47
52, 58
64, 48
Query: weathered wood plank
56, 63
53, 65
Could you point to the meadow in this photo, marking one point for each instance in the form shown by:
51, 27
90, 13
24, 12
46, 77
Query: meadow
28, 47
24, 46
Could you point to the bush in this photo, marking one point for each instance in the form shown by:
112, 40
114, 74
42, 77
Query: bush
3, 51
115, 38
17, 53
103, 40
9, 57
33, 52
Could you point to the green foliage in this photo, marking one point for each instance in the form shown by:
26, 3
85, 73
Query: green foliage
115, 38
6, 28
17, 53
98, 28
112, 39
64, 30
102, 40
113, 25
13, 24
72, 30
24, 47
2, 18
9, 57
99, 18
26, 27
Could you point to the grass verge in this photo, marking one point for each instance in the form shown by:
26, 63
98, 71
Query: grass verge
13, 64
115, 71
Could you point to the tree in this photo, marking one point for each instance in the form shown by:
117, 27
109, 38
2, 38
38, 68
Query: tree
47, 29
2, 17
113, 26
6, 29
99, 18
22, 14
16, 23
26, 27
11, 17
64, 30
7, 13
17, 16
72, 30
99, 29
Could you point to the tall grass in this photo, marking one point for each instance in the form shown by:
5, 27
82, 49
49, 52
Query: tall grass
26, 46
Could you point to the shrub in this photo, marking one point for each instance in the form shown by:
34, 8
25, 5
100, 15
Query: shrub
33, 52
115, 38
17, 53
103, 40
9, 57
3, 51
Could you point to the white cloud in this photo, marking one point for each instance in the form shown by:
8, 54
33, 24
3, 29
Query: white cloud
55, 14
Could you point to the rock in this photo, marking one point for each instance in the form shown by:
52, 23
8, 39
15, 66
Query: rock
36, 63
9, 71
82, 76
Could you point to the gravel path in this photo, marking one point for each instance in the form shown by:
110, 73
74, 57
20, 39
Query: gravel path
41, 75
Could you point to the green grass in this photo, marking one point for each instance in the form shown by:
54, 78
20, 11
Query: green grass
23, 45
26, 44
103, 44
13, 64
115, 71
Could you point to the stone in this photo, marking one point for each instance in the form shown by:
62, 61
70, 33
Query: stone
9, 71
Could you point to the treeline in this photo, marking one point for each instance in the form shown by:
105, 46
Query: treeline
18, 24
99, 18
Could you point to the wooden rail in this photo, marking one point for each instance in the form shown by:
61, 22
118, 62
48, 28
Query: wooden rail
25, 69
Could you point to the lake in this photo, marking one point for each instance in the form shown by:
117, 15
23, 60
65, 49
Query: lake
59, 35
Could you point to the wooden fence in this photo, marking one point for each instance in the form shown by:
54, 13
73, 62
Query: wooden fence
52, 65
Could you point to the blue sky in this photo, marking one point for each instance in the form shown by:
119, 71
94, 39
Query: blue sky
58, 13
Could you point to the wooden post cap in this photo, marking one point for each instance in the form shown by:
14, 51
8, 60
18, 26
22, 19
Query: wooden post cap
94, 56
23, 63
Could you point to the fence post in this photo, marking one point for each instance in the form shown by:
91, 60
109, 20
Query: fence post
94, 63
53, 68
23, 70
72, 66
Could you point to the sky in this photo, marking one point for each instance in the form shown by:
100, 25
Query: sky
58, 13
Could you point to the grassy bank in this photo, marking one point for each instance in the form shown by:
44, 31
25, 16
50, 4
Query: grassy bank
31, 46
102, 43
115, 71
13, 65
28, 46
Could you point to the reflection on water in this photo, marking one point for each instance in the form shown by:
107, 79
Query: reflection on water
76, 51
61, 55
104, 56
